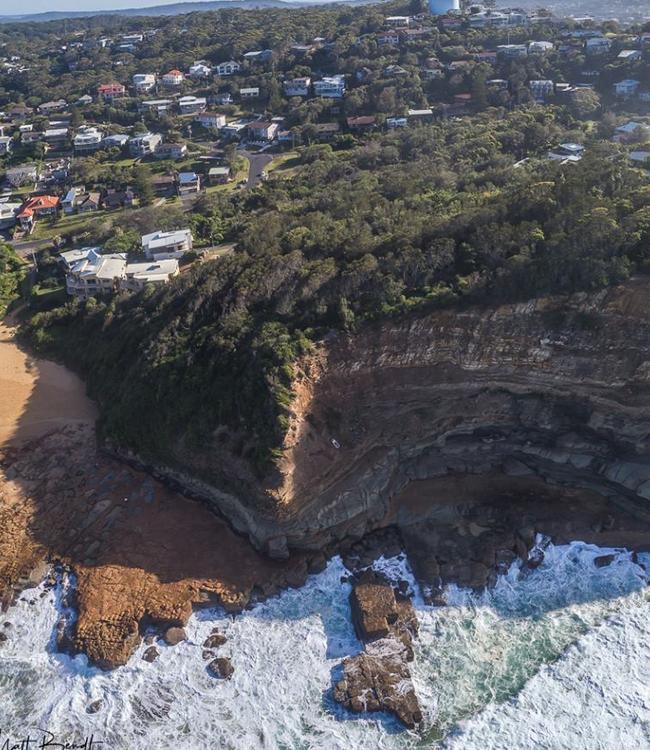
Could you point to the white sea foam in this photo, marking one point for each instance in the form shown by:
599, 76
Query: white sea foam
488, 662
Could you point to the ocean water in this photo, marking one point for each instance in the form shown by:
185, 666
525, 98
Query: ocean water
558, 657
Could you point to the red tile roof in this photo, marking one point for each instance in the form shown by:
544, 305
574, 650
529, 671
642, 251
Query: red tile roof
38, 203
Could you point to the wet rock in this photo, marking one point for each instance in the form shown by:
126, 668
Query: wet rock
603, 560
150, 639
151, 654
317, 564
205, 655
95, 706
174, 636
379, 679
377, 612
535, 558
3, 637
215, 640
221, 667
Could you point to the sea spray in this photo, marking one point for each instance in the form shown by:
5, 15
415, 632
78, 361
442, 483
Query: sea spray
477, 660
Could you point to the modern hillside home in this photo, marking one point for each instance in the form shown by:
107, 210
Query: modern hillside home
163, 245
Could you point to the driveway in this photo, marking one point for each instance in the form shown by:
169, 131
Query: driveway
258, 162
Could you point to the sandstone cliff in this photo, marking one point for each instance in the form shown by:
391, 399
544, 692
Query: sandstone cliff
554, 389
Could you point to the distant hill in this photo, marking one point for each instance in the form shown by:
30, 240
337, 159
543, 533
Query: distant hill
174, 9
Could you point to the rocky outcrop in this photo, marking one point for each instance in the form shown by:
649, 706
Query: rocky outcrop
557, 389
221, 668
379, 678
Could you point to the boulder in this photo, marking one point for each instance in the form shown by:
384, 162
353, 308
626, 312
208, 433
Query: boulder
151, 654
379, 679
94, 707
603, 560
174, 636
214, 640
221, 667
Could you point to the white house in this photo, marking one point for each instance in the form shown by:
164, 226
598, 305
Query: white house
145, 144
6, 144
173, 79
249, 93
630, 55
513, 50
540, 48
330, 87
95, 274
200, 70
156, 105
190, 105
138, 275
598, 45
297, 86
261, 130
87, 139
144, 82
211, 120
163, 245
227, 68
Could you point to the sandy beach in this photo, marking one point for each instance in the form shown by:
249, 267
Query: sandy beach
36, 395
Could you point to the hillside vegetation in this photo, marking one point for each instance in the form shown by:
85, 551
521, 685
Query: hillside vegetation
437, 215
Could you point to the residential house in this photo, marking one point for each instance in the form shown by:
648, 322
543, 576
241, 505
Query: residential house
114, 199
56, 137
325, 131
48, 108
330, 87
21, 175
69, 200
8, 211
258, 55
420, 115
638, 159
88, 202
512, 51
297, 86
632, 132
627, 89
159, 106
188, 183
412, 35
228, 68
396, 122
111, 91
140, 274
163, 245
540, 48
394, 71
164, 185
542, 90
116, 140
397, 22
210, 120
173, 79
235, 128
190, 105
630, 55
37, 207
200, 70
171, 151
145, 144
388, 37
598, 45
87, 139
225, 97
249, 93
218, 175
84, 101
567, 153
92, 274
143, 83
19, 111
362, 123
6, 144
261, 130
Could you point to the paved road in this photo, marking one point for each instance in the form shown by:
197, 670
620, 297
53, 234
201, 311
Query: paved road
257, 164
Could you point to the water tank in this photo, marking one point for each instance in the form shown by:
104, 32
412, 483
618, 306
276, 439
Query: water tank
440, 7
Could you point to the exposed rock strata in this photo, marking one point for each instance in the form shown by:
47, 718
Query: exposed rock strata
557, 389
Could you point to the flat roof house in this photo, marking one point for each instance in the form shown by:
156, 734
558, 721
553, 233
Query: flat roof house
157, 272
190, 105
144, 82
94, 274
87, 139
163, 245
145, 144
330, 87
210, 120
228, 68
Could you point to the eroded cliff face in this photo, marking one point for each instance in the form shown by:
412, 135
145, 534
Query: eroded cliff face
557, 390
